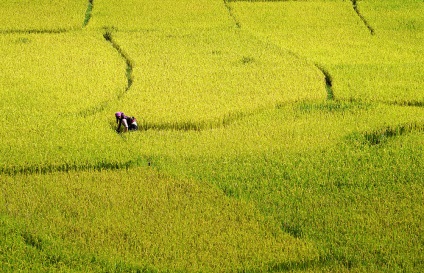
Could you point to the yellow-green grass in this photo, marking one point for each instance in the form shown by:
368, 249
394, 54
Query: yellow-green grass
178, 16
332, 35
403, 19
42, 15
306, 168
271, 179
208, 78
142, 219
291, 130
50, 85
324, 180
59, 73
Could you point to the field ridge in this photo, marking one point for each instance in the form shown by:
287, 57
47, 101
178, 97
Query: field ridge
68, 167
199, 126
381, 135
363, 19
130, 63
88, 13
325, 72
230, 12
409, 103
328, 81
34, 31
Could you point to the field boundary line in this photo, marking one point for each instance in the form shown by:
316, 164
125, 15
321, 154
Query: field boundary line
37, 31
130, 63
230, 12
69, 167
358, 12
107, 35
327, 76
328, 79
406, 103
88, 13
382, 134
203, 125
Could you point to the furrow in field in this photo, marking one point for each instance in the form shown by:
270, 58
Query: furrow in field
324, 71
404, 103
129, 68
230, 12
328, 81
225, 121
67, 167
411, 103
327, 76
355, 7
34, 31
381, 135
108, 37
88, 12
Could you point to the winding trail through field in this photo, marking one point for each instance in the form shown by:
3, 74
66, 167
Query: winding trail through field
35, 31
100, 107
328, 81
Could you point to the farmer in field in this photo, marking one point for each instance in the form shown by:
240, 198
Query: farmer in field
129, 123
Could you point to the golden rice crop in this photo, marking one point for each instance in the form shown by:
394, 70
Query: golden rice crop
331, 34
42, 15
396, 19
206, 78
62, 73
241, 164
49, 84
165, 223
154, 15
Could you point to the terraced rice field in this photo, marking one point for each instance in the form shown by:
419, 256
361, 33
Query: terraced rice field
275, 136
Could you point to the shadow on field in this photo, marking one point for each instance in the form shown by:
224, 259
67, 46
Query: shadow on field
197, 126
380, 136
322, 264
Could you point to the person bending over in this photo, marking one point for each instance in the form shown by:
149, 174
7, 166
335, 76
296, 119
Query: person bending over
129, 123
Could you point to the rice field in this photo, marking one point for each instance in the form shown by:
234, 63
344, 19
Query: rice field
385, 65
41, 16
274, 136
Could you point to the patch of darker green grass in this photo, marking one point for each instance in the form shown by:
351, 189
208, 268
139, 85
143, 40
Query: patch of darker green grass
88, 13
331, 106
73, 166
382, 135
130, 64
22, 250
